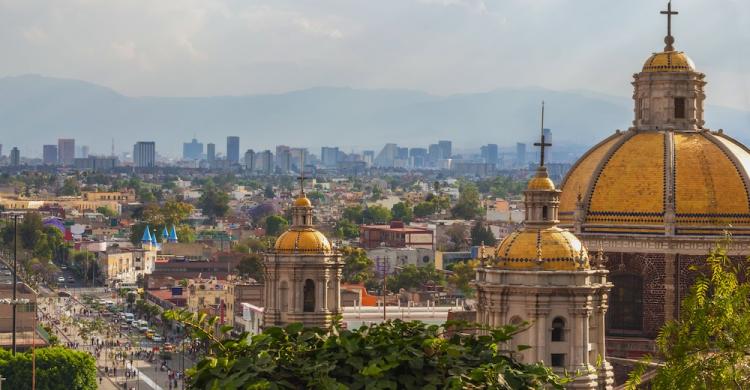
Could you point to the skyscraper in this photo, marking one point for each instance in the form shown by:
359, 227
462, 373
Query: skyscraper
15, 157
548, 139
144, 154
521, 154
329, 156
490, 154
250, 160
283, 158
446, 148
66, 151
264, 162
386, 156
49, 154
233, 150
211, 152
84, 151
434, 153
192, 150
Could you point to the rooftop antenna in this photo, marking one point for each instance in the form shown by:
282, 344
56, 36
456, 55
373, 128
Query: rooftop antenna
113, 146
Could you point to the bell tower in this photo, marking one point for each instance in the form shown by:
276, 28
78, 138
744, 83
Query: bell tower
668, 92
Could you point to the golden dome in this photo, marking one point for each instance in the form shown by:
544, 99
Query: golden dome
303, 240
302, 201
557, 248
541, 183
623, 184
669, 61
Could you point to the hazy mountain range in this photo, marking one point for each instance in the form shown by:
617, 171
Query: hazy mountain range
36, 110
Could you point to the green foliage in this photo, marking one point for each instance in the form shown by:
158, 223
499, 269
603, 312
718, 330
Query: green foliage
501, 186
251, 265
424, 209
411, 277
346, 229
353, 214
106, 211
402, 212
70, 187
462, 276
56, 368
358, 268
275, 225
481, 234
391, 355
707, 348
468, 205
214, 202
376, 215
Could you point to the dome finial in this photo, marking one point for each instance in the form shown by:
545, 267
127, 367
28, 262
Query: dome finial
669, 39
542, 144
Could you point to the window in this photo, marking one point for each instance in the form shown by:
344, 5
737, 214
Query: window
626, 303
545, 213
558, 360
558, 329
679, 108
284, 296
639, 108
309, 296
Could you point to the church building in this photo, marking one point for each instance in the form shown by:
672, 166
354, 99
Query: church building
657, 197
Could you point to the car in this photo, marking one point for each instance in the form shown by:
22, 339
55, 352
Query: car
60, 279
157, 339
168, 347
70, 279
63, 267
143, 329
124, 327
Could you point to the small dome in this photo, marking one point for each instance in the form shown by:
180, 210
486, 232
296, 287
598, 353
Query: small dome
669, 61
558, 249
302, 201
303, 240
541, 183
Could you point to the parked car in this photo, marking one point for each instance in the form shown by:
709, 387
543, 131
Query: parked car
157, 339
168, 347
60, 279
70, 279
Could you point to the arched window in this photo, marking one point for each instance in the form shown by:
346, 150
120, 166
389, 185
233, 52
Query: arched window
545, 213
308, 302
284, 296
626, 303
558, 329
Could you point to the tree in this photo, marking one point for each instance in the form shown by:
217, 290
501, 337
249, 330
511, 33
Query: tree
106, 211
462, 276
174, 212
481, 235
456, 234
268, 192
353, 214
377, 214
707, 347
358, 268
390, 355
402, 212
70, 187
411, 277
468, 205
214, 202
251, 265
346, 229
423, 209
275, 225
56, 368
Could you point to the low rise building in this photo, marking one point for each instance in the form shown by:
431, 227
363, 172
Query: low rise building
395, 235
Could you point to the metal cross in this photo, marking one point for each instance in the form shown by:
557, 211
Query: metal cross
542, 144
301, 177
669, 39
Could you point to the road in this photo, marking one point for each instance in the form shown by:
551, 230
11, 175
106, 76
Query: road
127, 344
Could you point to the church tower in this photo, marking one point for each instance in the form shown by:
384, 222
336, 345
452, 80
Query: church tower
542, 275
302, 273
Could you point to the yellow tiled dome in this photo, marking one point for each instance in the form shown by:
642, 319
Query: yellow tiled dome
541, 183
622, 183
669, 61
303, 240
302, 201
557, 248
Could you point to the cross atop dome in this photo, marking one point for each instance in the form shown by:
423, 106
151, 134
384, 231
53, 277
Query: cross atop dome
301, 177
669, 39
542, 144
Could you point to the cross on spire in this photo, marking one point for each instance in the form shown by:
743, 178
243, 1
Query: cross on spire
542, 144
669, 39
301, 177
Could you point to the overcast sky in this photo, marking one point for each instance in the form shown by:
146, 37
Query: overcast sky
218, 47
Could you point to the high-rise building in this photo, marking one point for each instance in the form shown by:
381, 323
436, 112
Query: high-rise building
144, 154
297, 158
283, 158
329, 156
548, 139
84, 151
520, 154
49, 154
418, 157
95, 163
386, 156
192, 150
250, 160
233, 150
434, 153
446, 148
264, 162
15, 157
1, 150
368, 156
66, 151
489, 154
211, 152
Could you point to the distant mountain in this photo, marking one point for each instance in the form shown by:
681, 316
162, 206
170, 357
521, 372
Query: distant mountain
35, 110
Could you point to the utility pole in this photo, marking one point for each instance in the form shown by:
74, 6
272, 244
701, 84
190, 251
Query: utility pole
15, 277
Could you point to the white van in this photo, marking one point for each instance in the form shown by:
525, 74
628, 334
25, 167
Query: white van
129, 317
